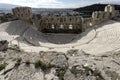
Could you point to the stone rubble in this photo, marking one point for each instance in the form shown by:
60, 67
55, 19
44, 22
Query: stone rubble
80, 66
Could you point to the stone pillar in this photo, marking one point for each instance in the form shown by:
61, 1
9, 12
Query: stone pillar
82, 24
95, 16
110, 9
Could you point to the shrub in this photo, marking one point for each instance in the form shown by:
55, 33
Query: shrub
60, 72
2, 66
42, 65
72, 52
18, 61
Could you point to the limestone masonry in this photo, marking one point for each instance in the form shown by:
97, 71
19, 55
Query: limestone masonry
23, 13
65, 24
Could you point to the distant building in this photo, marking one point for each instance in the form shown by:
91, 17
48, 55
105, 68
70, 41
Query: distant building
2, 14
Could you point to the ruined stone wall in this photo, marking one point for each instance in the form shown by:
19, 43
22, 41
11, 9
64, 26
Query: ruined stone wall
111, 10
77, 22
23, 13
65, 23
100, 16
86, 23
61, 24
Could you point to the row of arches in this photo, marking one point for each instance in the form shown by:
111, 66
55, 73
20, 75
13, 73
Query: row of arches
61, 24
61, 19
102, 14
61, 27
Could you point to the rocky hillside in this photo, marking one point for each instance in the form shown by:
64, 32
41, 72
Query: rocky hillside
72, 65
95, 7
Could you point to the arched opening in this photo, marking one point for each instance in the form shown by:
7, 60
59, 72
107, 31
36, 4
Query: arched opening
61, 19
70, 26
70, 19
53, 27
61, 26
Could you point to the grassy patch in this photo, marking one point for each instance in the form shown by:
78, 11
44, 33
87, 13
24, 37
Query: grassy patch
43, 66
